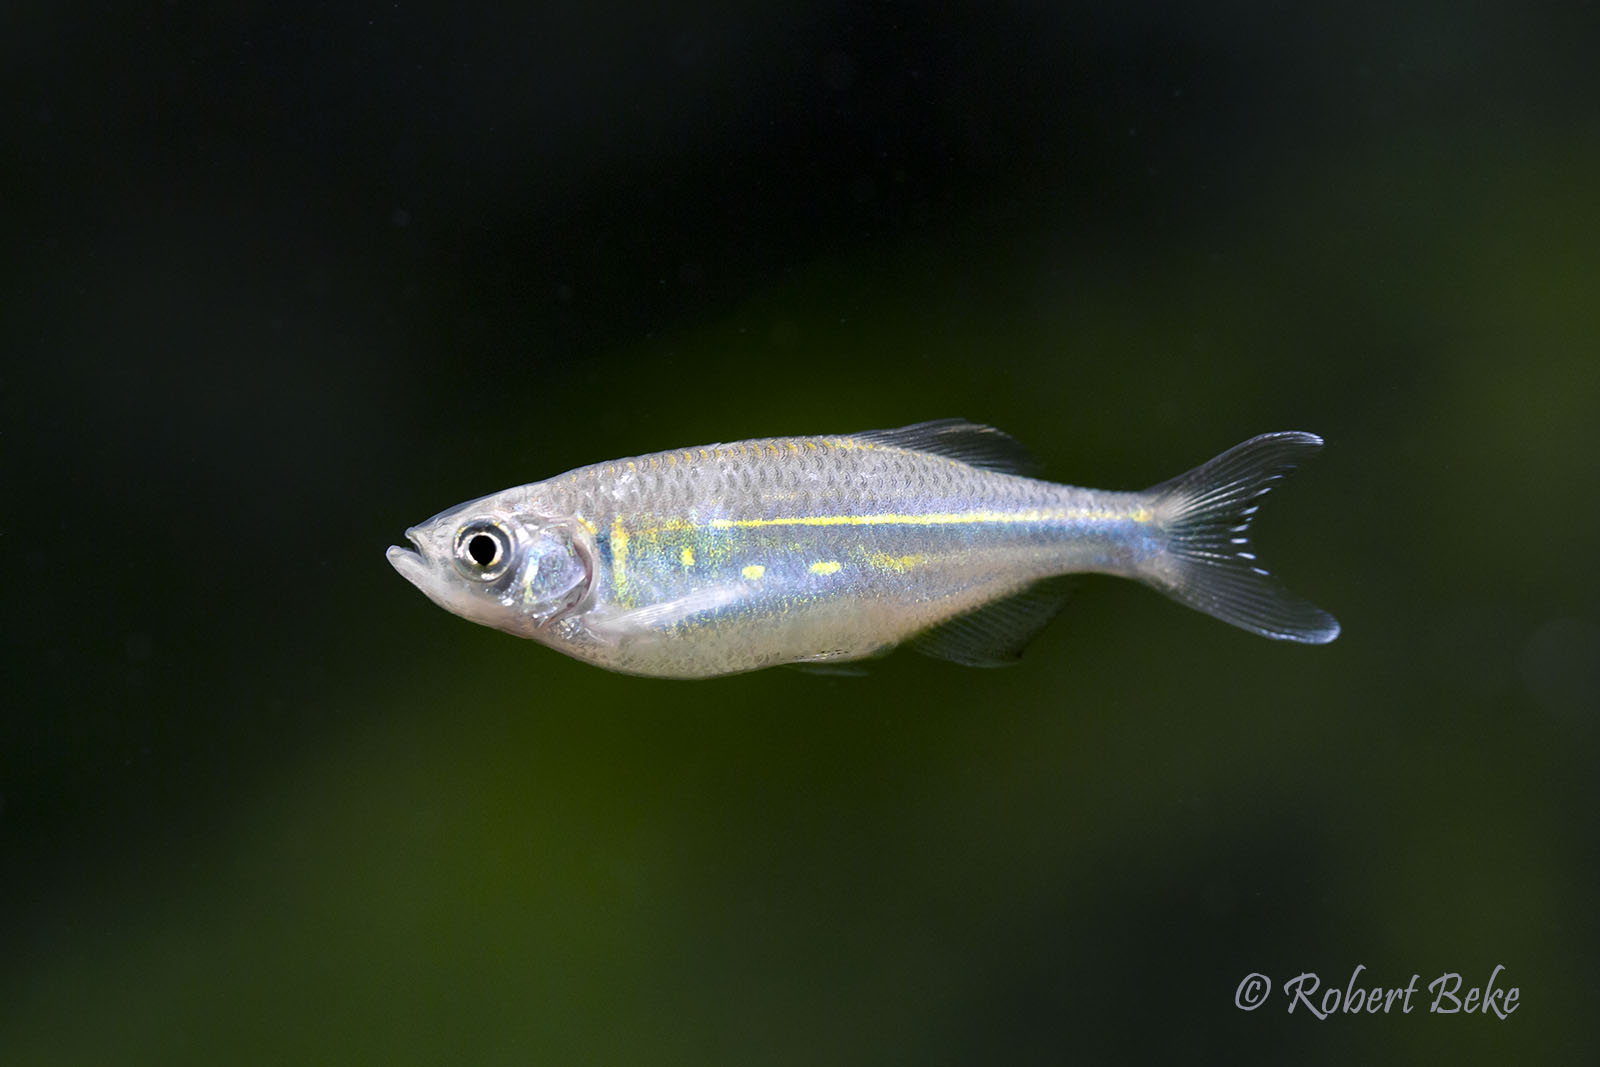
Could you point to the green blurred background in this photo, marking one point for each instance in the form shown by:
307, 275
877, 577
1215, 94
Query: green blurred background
282, 279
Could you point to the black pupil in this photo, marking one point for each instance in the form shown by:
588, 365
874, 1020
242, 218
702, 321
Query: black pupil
482, 549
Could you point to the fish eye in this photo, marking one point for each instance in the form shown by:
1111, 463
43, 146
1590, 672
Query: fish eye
483, 549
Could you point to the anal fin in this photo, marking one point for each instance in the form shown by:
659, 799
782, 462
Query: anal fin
995, 634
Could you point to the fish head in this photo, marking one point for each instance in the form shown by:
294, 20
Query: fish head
499, 566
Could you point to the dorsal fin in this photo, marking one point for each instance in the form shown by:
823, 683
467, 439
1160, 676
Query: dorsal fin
958, 439
995, 634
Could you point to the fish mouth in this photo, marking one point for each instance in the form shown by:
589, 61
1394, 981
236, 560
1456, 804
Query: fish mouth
409, 560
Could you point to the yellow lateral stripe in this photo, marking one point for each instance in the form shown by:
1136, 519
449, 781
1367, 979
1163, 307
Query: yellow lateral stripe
686, 557
942, 518
754, 571
938, 518
828, 566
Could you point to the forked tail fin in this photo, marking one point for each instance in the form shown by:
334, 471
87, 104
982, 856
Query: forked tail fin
1209, 563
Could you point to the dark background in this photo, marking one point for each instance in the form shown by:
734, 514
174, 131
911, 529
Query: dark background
279, 280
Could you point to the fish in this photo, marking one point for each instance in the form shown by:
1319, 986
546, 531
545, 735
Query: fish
821, 551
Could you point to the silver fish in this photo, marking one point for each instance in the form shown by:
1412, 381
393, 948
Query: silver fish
821, 550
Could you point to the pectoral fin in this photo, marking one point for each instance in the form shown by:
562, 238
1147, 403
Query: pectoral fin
667, 614
829, 670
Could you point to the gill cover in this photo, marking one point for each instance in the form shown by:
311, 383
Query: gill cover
556, 572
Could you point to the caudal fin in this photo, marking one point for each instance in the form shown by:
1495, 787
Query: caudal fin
1210, 564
